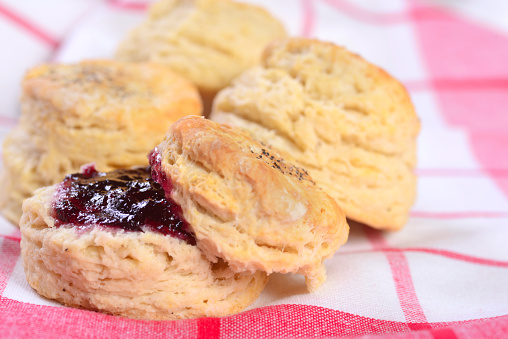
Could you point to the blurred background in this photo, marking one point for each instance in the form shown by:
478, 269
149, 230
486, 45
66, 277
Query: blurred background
451, 55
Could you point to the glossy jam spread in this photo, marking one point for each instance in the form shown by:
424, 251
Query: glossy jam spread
155, 160
126, 199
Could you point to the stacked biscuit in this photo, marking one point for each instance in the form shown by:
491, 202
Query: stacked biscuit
107, 112
320, 128
251, 214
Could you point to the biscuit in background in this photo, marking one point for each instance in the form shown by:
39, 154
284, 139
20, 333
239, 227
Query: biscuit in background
108, 112
147, 273
208, 42
245, 204
346, 121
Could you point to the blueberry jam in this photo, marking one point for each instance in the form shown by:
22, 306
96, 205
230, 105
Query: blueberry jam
126, 199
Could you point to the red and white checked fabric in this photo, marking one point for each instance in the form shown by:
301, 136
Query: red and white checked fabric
445, 275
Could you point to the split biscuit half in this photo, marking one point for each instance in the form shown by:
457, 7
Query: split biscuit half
144, 275
245, 204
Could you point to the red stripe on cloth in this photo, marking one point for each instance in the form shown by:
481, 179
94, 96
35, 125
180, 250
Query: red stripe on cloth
444, 253
19, 319
478, 111
29, 27
459, 215
448, 35
444, 333
9, 254
11, 238
401, 273
140, 6
414, 13
303, 321
481, 112
209, 328
308, 19
23, 320
457, 256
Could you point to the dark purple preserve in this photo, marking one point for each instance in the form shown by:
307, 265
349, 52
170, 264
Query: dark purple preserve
128, 199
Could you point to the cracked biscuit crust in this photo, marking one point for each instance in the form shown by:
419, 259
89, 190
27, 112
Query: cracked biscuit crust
246, 204
348, 122
143, 275
108, 112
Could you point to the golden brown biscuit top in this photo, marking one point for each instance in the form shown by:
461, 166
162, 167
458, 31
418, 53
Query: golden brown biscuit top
227, 149
198, 152
207, 41
106, 88
373, 108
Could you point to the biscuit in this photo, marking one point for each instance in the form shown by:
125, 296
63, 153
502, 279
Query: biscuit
109, 112
206, 41
346, 121
245, 203
138, 274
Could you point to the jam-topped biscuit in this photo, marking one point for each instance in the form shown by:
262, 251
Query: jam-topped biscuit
111, 242
206, 41
348, 122
126, 199
245, 203
107, 112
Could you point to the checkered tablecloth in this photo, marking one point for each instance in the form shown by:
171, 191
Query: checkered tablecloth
445, 275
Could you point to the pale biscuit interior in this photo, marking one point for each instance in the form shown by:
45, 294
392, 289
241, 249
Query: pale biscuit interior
142, 275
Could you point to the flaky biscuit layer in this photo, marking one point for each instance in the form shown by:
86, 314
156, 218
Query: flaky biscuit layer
143, 275
246, 204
